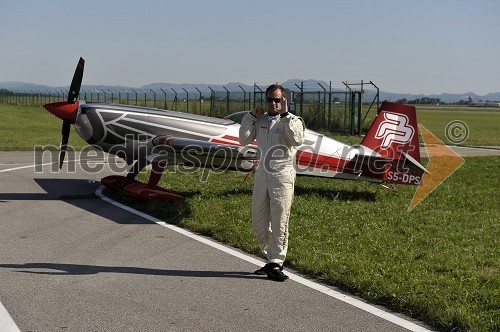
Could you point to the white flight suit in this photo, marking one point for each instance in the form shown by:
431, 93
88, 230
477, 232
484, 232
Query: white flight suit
278, 138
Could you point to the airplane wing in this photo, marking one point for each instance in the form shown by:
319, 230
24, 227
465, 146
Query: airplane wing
174, 150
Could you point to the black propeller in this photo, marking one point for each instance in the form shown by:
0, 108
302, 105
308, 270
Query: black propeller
66, 128
76, 83
74, 91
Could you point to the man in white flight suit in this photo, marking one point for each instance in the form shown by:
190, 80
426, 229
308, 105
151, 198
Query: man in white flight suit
278, 135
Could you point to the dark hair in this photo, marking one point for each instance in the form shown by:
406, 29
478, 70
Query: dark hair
273, 87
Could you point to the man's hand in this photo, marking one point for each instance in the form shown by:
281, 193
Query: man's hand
284, 106
257, 111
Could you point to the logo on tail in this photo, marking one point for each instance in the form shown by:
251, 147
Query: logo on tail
394, 128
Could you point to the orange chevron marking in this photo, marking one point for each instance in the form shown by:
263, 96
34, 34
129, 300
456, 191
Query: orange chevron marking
443, 162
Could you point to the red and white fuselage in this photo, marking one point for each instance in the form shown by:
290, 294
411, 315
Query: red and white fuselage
388, 153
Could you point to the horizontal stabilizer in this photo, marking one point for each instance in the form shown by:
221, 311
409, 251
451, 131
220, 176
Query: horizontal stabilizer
413, 164
404, 170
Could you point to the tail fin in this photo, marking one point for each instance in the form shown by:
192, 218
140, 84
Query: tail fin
393, 131
394, 135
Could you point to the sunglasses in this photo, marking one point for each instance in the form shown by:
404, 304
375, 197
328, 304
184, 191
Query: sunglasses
274, 100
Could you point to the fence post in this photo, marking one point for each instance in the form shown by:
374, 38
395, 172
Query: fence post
154, 98
255, 94
47, 96
199, 100
378, 93
329, 106
212, 100
360, 111
135, 97
301, 88
353, 111
127, 95
187, 99
164, 100
227, 100
145, 97
175, 105
119, 96
244, 96
323, 118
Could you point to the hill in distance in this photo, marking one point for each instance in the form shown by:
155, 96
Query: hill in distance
205, 89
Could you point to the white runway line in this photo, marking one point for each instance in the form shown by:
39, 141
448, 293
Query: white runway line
21, 167
7, 324
308, 283
45, 164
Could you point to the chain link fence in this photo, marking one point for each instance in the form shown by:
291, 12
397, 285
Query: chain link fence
346, 109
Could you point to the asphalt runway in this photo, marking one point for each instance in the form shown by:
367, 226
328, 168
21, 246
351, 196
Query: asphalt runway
72, 261
470, 151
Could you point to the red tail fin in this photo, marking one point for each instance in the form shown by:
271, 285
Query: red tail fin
394, 135
394, 131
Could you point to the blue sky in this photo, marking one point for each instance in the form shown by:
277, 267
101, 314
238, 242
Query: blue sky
402, 46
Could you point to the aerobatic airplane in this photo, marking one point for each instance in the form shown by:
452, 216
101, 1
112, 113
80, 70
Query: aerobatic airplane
388, 154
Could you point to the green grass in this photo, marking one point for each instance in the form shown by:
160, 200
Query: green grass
483, 127
438, 263
23, 127
483, 123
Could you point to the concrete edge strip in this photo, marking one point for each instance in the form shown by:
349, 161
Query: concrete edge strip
308, 283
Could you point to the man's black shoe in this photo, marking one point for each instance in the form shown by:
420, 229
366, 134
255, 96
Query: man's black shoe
274, 272
261, 271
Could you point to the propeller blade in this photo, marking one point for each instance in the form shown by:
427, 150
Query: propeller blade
66, 127
76, 83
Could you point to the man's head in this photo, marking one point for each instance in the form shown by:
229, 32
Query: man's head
274, 96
